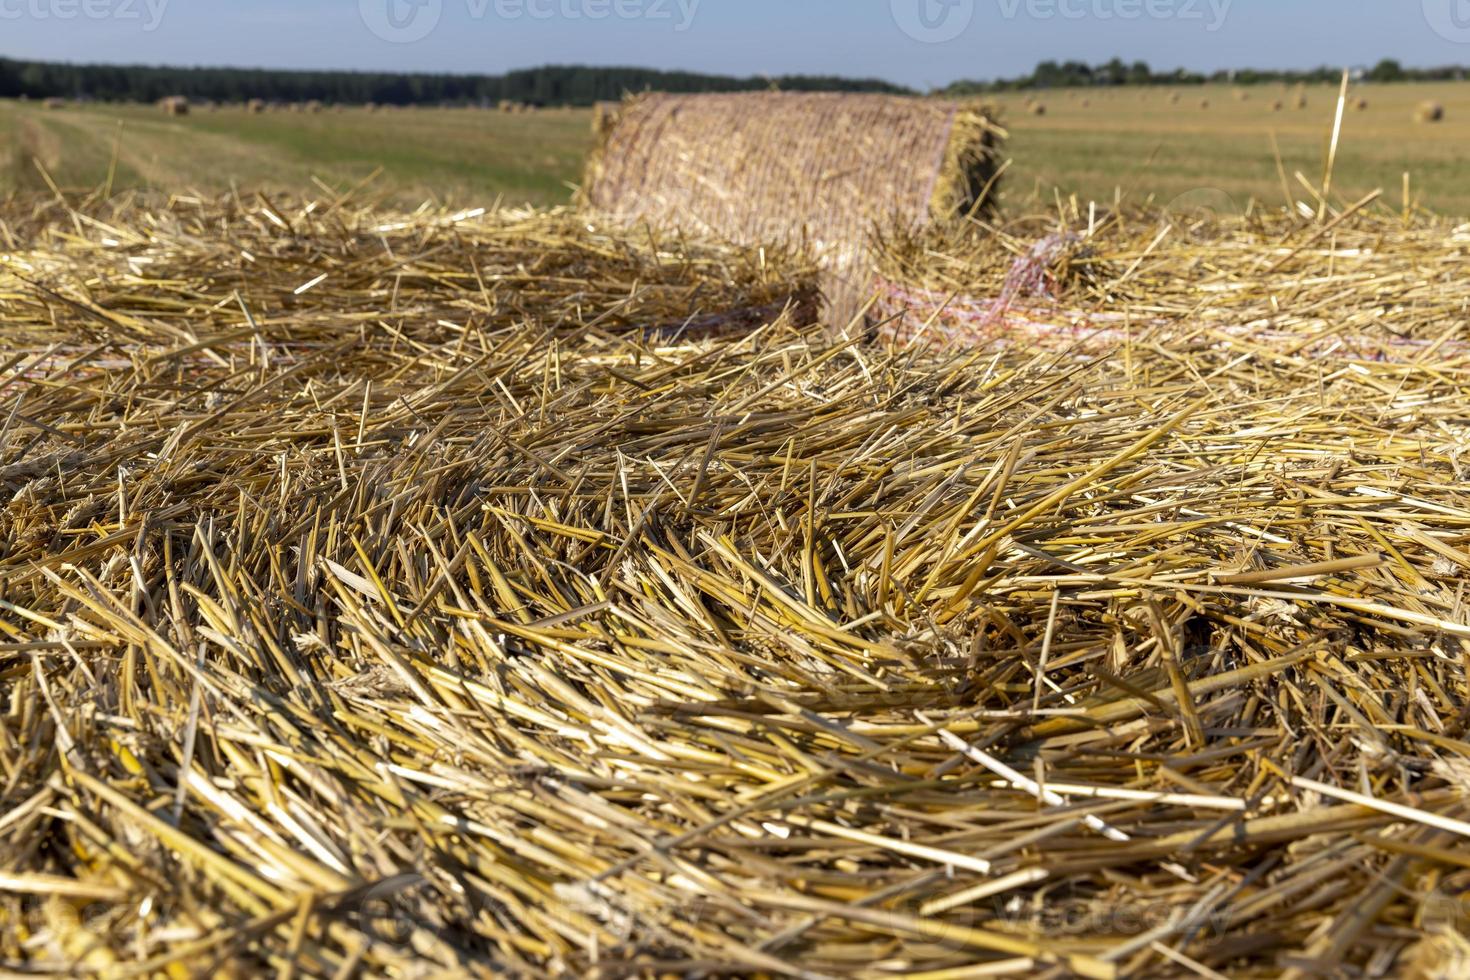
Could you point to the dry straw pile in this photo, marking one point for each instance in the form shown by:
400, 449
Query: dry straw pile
384, 595
818, 170
1371, 285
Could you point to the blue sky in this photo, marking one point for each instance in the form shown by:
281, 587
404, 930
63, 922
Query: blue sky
952, 39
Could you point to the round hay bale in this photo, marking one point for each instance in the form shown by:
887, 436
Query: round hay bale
1278, 106
54, 104
371, 107
1175, 98
1241, 95
1087, 103
174, 105
1429, 112
1038, 108
1204, 103
255, 106
1360, 104
797, 169
314, 106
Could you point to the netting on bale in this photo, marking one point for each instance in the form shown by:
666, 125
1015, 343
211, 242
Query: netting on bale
819, 170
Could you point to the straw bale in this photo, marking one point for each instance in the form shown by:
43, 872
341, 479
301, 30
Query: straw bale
1429, 112
818, 170
368, 608
175, 105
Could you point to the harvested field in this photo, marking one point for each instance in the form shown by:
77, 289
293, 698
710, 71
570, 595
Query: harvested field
384, 594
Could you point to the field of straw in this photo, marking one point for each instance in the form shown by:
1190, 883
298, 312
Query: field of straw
430, 594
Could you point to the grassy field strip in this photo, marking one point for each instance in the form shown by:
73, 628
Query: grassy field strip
1151, 143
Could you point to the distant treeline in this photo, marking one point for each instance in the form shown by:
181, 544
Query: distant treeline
1075, 74
556, 85
553, 85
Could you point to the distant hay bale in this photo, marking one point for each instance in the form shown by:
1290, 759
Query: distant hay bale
1429, 112
1301, 100
506, 105
54, 103
1038, 108
1241, 95
313, 106
1175, 98
371, 107
1278, 106
1360, 104
1087, 103
816, 169
1204, 103
174, 105
255, 106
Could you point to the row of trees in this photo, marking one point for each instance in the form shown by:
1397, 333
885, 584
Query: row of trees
1076, 74
577, 85
548, 86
